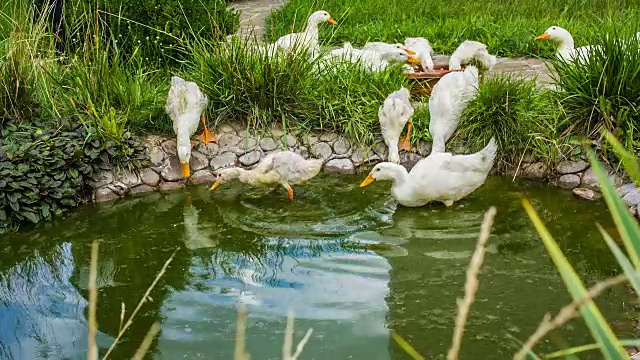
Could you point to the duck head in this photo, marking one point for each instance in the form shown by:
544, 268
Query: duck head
320, 17
225, 176
400, 56
184, 155
556, 33
385, 171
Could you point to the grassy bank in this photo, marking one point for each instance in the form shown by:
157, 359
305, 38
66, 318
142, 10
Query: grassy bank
507, 27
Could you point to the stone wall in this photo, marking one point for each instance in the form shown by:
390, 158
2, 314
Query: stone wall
234, 148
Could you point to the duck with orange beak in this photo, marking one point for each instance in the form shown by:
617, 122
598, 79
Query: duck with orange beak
566, 49
308, 39
185, 106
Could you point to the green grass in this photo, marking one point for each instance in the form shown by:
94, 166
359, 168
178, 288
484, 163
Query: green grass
243, 83
523, 118
506, 26
602, 92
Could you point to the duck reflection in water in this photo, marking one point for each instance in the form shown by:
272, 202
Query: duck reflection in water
194, 236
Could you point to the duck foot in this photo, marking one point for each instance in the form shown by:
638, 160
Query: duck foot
275, 188
206, 136
289, 190
404, 142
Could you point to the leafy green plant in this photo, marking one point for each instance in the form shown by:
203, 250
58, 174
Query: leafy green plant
46, 171
602, 91
521, 117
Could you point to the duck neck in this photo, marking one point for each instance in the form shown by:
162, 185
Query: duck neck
394, 154
312, 27
566, 42
398, 174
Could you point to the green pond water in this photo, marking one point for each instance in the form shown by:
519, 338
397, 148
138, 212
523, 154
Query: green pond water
349, 264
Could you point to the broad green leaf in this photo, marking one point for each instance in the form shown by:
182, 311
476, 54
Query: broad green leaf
625, 264
578, 349
406, 346
626, 225
628, 160
600, 330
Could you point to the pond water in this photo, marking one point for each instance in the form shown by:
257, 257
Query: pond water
349, 264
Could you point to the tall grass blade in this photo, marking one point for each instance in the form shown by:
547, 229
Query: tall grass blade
625, 264
629, 161
624, 220
600, 330
564, 353
406, 346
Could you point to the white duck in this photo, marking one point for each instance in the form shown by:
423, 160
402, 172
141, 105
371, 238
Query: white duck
280, 168
423, 51
383, 47
185, 104
468, 51
566, 49
371, 60
448, 99
382, 59
393, 114
442, 177
308, 39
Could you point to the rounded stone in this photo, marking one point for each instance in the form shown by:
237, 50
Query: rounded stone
156, 155
586, 194
289, 140
227, 129
149, 177
128, 178
170, 147
569, 181
423, 148
171, 169
141, 189
534, 171
380, 148
329, 137
168, 186
311, 140
202, 176
626, 188
277, 132
268, 144
101, 179
341, 146
226, 159
572, 167
198, 161
248, 143
210, 149
302, 151
228, 141
250, 158
591, 180
322, 150
340, 166
104, 194
632, 198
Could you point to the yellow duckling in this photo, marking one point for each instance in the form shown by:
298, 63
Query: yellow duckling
185, 104
280, 168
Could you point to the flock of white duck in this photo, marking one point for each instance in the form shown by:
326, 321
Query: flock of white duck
440, 177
